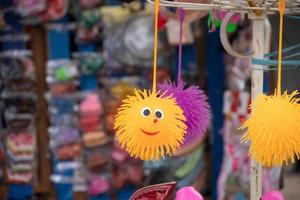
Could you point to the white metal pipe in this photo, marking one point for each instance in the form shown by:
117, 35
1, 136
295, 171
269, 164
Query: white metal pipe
257, 80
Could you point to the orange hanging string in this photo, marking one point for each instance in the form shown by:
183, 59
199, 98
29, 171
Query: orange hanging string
281, 7
156, 8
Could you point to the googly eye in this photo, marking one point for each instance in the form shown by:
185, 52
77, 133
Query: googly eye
159, 114
145, 111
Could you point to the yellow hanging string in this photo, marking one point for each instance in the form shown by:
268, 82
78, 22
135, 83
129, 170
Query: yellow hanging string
281, 8
156, 8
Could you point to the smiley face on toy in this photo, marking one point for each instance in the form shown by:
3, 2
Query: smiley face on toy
147, 112
148, 126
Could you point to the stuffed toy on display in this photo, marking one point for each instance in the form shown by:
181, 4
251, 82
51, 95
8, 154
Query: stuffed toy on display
150, 124
191, 99
274, 137
234, 175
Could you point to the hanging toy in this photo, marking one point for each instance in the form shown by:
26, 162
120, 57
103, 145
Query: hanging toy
191, 99
149, 124
273, 126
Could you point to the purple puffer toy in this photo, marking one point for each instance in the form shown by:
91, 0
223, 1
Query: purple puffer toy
191, 100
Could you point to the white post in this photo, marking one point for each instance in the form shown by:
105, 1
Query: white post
257, 88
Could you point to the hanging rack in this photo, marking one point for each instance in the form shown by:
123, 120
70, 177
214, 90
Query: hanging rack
267, 6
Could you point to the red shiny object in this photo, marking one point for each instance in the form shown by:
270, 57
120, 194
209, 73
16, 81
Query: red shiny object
155, 192
162, 20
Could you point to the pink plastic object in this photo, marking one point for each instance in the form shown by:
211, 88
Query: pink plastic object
98, 185
273, 195
188, 193
91, 104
